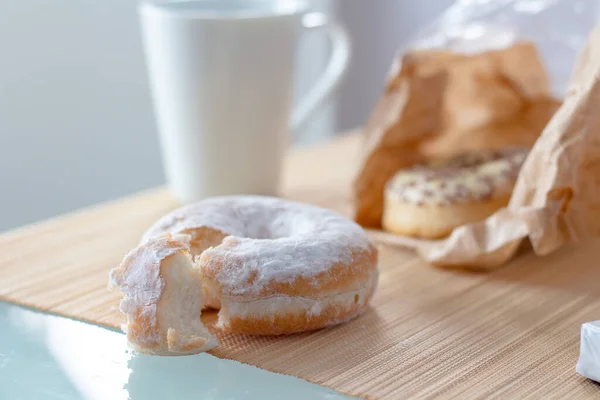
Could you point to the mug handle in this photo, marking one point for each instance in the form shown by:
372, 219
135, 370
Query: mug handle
334, 72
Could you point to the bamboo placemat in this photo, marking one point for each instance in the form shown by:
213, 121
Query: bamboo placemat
430, 333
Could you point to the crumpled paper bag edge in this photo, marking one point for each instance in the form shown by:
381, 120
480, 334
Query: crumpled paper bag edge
517, 221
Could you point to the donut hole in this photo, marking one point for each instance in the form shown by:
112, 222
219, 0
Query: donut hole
282, 226
272, 224
255, 231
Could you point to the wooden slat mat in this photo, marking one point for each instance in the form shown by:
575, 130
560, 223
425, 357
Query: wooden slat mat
430, 333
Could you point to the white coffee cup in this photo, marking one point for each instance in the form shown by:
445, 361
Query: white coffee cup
221, 74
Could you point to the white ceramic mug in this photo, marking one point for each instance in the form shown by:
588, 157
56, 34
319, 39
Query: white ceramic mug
221, 74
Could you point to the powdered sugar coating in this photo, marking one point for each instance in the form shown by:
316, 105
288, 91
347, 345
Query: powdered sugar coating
269, 240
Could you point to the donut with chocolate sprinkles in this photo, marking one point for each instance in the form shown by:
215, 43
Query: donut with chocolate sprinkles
430, 201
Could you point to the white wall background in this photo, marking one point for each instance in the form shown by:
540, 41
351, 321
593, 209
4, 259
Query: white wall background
75, 114
76, 124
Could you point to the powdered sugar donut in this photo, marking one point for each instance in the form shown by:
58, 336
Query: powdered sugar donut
430, 201
273, 266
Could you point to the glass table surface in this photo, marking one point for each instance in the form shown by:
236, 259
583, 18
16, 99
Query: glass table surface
44, 356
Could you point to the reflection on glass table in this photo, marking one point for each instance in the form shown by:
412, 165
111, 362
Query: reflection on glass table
48, 357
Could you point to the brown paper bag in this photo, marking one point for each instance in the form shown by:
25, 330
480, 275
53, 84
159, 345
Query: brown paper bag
556, 199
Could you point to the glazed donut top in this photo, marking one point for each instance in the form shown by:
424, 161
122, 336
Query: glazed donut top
473, 176
273, 240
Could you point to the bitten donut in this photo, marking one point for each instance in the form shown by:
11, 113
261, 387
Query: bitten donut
271, 266
429, 201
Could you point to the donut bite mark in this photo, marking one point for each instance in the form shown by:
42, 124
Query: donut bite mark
162, 298
271, 266
430, 201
